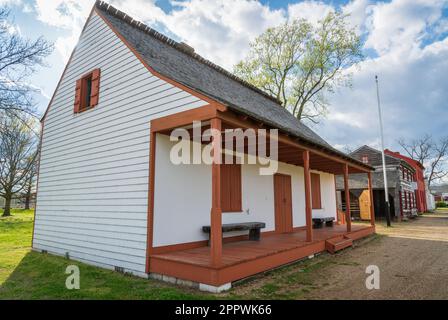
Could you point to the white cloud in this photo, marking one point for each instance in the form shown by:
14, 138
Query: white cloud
143, 10
412, 56
351, 119
401, 24
313, 11
10, 3
63, 13
27, 8
413, 98
67, 15
358, 11
11, 28
221, 30
65, 45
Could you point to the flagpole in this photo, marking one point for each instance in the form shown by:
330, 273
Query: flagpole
386, 190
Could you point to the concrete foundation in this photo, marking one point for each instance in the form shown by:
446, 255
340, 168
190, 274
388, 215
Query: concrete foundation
190, 284
213, 289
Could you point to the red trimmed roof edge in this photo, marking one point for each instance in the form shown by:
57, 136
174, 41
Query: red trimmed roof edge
409, 160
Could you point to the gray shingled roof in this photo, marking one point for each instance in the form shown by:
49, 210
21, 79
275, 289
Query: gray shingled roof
359, 181
167, 57
375, 158
374, 155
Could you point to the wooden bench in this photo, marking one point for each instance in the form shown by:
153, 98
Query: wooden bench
253, 227
318, 222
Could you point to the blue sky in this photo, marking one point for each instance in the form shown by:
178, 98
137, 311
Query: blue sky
406, 44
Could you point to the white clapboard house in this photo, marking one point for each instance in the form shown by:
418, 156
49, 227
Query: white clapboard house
109, 195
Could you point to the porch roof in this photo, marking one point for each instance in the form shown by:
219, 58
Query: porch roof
289, 148
181, 64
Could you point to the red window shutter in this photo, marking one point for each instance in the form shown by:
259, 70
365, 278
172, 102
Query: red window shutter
77, 106
94, 97
315, 191
236, 188
231, 198
405, 200
225, 188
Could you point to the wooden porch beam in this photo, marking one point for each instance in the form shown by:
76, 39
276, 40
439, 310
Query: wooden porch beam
348, 216
230, 118
185, 118
308, 207
216, 211
372, 208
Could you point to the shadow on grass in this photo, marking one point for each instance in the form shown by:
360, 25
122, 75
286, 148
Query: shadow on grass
42, 276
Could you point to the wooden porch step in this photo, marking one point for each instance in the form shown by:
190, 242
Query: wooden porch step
338, 243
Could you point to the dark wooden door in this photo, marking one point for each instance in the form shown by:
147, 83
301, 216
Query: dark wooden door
283, 203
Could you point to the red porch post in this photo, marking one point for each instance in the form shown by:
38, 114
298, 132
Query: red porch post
372, 208
216, 212
308, 208
348, 217
151, 184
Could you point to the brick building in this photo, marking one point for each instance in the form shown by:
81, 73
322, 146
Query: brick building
419, 178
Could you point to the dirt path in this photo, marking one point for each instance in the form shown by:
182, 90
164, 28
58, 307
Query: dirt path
412, 258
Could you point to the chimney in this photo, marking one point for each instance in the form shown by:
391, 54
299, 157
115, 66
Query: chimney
185, 47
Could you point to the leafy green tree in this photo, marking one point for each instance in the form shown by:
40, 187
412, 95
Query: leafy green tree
298, 62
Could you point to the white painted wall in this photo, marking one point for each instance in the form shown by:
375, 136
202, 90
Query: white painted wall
183, 198
93, 179
328, 196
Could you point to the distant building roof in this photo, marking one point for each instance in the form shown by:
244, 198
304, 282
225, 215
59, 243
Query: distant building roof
412, 162
375, 158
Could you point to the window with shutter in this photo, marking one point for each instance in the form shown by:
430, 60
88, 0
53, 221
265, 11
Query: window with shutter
315, 191
87, 91
231, 188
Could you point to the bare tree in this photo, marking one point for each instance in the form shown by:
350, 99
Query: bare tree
298, 63
19, 58
30, 183
18, 154
432, 154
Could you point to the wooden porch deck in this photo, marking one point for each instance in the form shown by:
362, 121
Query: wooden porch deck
241, 259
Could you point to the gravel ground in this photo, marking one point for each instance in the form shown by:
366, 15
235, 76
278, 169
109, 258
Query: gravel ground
412, 258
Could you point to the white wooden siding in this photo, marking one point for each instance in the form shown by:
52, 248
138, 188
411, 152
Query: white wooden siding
186, 198
93, 178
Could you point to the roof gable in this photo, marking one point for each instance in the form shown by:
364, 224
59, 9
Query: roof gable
177, 62
374, 155
164, 56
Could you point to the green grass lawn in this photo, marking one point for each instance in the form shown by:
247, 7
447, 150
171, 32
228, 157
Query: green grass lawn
30, 275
